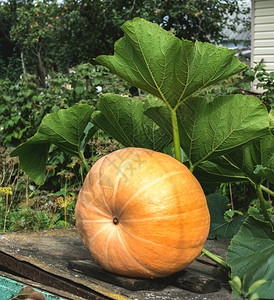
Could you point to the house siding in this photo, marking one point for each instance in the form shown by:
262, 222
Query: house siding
263, 33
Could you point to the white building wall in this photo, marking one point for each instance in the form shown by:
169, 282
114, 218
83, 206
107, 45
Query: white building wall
262, 39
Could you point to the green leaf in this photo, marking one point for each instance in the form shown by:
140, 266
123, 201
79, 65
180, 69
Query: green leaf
236, 284
219, 227
251, 256
254, 297
255, 159
214, 128
89, 131
210, 129
255, 285
79, 89
27, 105
271, 120
33, 159
255, 213
65, 129
171, 69
123, 119
264, 172
218, 170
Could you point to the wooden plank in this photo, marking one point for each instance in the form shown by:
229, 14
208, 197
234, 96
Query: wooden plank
264, 4
264, 35
264, 20
12, 284
35, 273
43, 256
264, 27
187, 279
264, 12
92, 269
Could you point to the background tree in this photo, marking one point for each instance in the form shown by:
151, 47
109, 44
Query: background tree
55, 35
10, 64
34, 34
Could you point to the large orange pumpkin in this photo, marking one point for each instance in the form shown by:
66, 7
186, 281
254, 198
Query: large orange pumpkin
142, 213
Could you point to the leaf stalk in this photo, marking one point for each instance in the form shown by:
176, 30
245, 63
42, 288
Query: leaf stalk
176, 136
262, 205
216, 258
81, 155
267, 190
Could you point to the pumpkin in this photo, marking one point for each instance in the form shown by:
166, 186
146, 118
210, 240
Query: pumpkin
142, 213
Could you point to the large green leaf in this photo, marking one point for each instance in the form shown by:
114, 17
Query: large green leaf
218, 170
65, 128
156, 61
271, 120
251, 256
33, 156
123, 119
210, 129
219, 227
255, 159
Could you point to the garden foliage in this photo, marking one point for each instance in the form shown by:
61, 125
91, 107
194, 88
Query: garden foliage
23, 104
222, 139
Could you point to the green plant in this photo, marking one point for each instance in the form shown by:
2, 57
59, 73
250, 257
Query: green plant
17, 103
265, 80
24, 104
10, 186
5, 192
82, 84
225, 139
25, 206
250, 255
66, 199
237, 287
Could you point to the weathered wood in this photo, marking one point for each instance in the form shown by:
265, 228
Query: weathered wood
51, 251
188, 279
92, 269
11, 284
196, 283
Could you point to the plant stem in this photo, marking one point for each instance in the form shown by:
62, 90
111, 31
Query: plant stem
81, 155
216, 258
176, 137
267, 190
65, 207
262, 205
